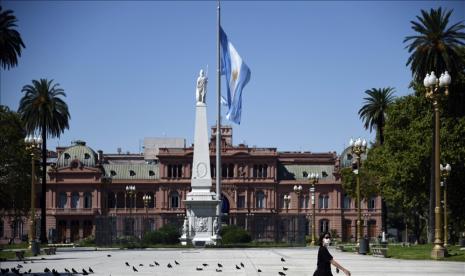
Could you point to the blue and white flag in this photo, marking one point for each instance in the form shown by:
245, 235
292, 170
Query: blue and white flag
237, 76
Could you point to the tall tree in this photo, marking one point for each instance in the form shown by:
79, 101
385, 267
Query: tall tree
436, 47
42, 110
10, 40
373, 112
15, 167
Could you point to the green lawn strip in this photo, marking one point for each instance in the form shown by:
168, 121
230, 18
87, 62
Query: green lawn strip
423, 252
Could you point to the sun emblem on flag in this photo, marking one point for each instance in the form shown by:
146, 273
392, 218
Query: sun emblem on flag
234, 75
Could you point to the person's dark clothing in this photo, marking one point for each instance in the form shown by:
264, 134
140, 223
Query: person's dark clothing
324, 262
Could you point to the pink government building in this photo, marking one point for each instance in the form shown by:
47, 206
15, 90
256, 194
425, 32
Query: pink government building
85, 186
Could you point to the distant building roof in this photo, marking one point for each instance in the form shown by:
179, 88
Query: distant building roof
300, 172
132, 171
153, 144
79, 151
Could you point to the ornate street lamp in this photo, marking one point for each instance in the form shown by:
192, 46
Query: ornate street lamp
131, 191
147, 199
313, 178
298, 190
33, 145
433, 93
287, 199
358, 147
445, 172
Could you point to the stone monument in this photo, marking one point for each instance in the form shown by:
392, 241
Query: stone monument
200, 226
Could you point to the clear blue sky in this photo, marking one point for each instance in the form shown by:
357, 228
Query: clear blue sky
129, 68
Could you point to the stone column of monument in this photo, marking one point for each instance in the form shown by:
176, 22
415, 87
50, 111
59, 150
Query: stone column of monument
200, 225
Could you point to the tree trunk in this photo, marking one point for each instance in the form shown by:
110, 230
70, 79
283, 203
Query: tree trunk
43, 207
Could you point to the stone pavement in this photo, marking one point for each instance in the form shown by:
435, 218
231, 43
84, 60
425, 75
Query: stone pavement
299, 261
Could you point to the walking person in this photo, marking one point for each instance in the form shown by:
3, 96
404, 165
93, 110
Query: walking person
325, 259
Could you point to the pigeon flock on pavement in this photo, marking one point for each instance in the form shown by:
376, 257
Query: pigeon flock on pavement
131, 267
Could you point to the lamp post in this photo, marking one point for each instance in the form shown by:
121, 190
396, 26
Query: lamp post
131, 191
297, 191
147, 199
366, 217
287, 199
445, 171
313, 177
433, 92
358, 147
33, 145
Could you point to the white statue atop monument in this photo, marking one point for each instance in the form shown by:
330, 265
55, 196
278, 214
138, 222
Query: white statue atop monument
201, 91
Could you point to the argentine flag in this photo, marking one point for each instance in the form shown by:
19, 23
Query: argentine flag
237, 76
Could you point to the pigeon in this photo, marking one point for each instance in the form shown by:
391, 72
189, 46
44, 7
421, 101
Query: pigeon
157, 264
259, 270
67, 270
141, 265
74, 271
218, 270
90, 270
220, 265
24, 262
199, 268
282, 273
285, 268
84, 272
5, 270
46, 270
108, 255
169, 265
19, 266
151, 265
135, 269
29, 271
205, 264
237, 267
176, 262
242, 264
127, 264
282, 259
42, 258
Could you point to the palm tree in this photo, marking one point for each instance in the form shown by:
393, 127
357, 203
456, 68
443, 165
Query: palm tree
373, 112
436, 47
42, 110
10, 40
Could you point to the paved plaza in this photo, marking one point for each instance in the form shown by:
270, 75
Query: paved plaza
298, 261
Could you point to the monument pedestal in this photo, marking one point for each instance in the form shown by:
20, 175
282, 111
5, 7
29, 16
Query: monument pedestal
201, 223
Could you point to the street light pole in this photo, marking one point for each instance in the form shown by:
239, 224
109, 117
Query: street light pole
445, 171
313, 177
33, 145
130, 190
433, 92
146, 198
297, 191
358, 147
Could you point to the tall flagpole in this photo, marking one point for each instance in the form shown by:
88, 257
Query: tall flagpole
218, 121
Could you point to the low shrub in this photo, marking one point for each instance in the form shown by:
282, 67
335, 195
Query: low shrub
233, 234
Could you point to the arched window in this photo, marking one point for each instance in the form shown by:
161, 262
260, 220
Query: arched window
372, 203
324, 226
152, 201
74, 200
120, 200
62, 199
111, 200
304, 202
140, 200
260, 200
174, 200
347, 202
323, 202
87, 200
